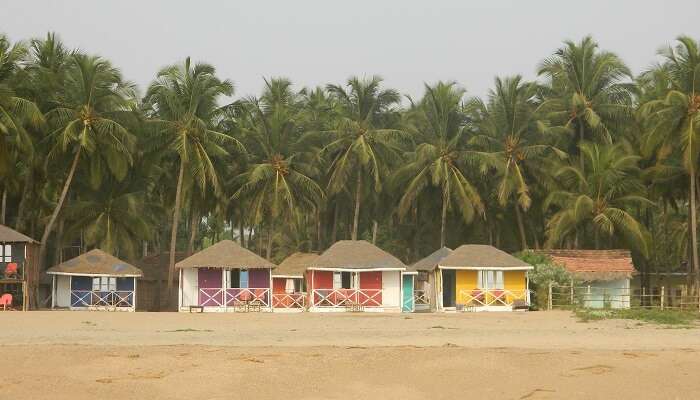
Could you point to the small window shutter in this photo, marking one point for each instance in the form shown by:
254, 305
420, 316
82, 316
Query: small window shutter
289, 286
337, 280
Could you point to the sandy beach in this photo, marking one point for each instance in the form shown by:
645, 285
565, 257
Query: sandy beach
536, 355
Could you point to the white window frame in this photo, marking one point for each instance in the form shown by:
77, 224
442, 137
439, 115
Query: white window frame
6, 253
490, 279
337, 280
289, 286
104, 284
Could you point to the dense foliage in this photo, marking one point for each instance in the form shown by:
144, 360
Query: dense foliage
586, 156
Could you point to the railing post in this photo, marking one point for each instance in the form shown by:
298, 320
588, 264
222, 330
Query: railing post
549, 300
572, 292
663, 296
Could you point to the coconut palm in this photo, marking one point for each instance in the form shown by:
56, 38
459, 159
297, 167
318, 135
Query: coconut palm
507, 132
675, 120
360, 144
589, 91
439, 129
276, 184
86, 121
183, 104
598, 198
16, 113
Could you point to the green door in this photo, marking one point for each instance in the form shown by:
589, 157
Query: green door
407, 293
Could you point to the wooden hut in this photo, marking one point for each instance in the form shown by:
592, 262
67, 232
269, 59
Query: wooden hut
605, 274
288, 282
355, 276
481, 278
94, 281
19, 268
153, 285
424, 288
225, 277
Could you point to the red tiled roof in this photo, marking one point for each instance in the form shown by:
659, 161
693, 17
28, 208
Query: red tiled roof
603, 261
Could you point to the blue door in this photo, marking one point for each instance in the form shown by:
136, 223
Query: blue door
407, 294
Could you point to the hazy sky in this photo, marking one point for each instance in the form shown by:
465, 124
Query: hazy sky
315, 42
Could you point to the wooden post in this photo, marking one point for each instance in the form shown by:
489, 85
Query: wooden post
549, 300
588, 295
642, 301
25, 296
662, 297
572, 292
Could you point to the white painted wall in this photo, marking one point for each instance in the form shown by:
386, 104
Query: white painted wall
62, 291
391, 288
190, 287
616, 292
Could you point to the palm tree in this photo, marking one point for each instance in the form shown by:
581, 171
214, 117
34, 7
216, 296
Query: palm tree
359, 145
598, 197
589, 91
439, 128
183, 103
16, 113
675, 120
86, 120
507, 129
276, 184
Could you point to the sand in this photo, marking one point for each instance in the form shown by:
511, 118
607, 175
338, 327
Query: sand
536, 355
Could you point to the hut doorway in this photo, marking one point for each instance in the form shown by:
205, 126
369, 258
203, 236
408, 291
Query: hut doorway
449, 283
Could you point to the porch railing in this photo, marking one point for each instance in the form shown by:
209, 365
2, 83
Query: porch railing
420, 297
98, 298
289, 300
336, 298
492, 297
218, 297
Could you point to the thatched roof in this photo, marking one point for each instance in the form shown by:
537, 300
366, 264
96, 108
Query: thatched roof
481, 256
295, 265
430, 262
595, 265
155, 267
225, 254
9, 235
356, 254
95, 262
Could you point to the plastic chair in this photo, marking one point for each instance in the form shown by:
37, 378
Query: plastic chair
11, 270
6, 301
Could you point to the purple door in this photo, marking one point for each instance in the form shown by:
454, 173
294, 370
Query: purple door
211, 293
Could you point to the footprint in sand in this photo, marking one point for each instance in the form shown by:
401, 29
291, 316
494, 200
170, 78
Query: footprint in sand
590, 370
631, 354
537, 394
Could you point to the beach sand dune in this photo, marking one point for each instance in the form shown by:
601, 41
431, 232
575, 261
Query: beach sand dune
544, 355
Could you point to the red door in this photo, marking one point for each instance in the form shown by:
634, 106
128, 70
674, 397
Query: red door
371, 288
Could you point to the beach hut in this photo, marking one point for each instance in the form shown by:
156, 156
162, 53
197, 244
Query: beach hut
19, 269
354, 275
225, 277
94, 281
605, 275
481, 278
424, 288
152, 290
288, 282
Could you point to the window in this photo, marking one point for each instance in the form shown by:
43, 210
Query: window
289, 286
238, 279
6, 253
490, 279
343, 280
104, 284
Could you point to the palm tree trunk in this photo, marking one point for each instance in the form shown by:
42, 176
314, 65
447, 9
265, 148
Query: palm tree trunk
334, 232
54, 215
270, 236
443, 220
319, 230
3, 208
19, 224
58, 255
241, 231
521, 227
375, 226
356, 219
194, 224
173, 230
694, 226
